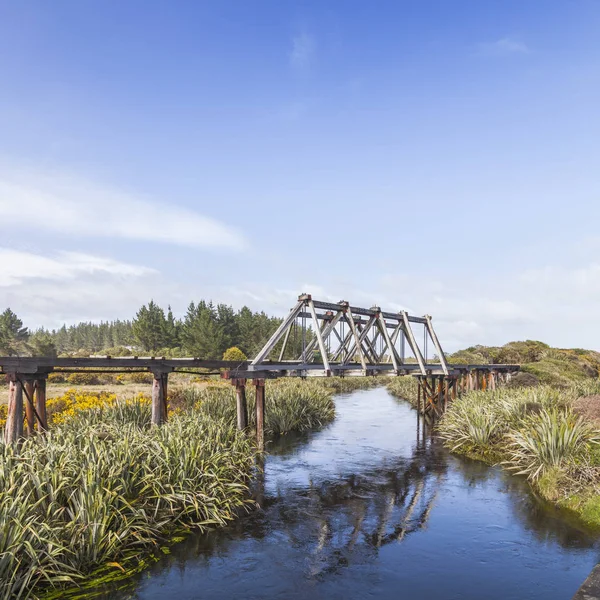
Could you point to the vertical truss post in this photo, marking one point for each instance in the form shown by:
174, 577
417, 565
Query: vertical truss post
357, 343
318, 333
437, 344
413, 342
388, 342
29, 406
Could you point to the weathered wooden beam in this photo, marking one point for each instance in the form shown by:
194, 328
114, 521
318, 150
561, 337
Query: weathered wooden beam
260, 412
13, 430
241, 404
159, 398
40, 403
29, 406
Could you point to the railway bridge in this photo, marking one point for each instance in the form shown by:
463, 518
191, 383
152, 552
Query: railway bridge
316, 339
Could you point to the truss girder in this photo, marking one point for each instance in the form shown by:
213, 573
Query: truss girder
349, 337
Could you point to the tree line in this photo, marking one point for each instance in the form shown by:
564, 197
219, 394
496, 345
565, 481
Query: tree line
207, 330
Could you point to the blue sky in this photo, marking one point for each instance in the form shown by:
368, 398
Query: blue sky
441, 157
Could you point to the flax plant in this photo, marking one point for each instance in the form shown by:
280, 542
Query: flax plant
99, 490
103, 488
554, 438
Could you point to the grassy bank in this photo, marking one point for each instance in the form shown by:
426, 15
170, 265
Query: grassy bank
104, 491
535, 432
540, 363
404, 388
549, 434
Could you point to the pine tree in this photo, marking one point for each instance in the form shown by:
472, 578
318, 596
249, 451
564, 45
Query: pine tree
13, 335
150, 327
172, 330
200, 334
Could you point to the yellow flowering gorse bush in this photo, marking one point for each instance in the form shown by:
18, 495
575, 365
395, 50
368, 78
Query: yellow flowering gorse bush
71, 402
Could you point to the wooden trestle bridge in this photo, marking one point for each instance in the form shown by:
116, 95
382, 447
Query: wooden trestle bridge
331, 339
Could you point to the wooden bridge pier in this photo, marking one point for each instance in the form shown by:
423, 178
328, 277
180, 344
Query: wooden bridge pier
160, 384
436, 391
242, 407
26, 393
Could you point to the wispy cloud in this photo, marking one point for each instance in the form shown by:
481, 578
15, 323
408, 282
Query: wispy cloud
304, 47
18, 267
503, 47
69, 205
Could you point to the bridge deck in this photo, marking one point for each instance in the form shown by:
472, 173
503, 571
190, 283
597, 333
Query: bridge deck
267, 370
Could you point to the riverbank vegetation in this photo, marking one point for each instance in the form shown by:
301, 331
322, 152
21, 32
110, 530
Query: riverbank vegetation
540, 364
536, 432
103, 491
544, 425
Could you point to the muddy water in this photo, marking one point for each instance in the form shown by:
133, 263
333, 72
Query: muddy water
372, 507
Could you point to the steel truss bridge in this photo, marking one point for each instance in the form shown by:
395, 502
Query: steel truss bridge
326, 339
344, 340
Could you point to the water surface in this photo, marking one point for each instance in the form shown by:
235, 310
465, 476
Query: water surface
370, 507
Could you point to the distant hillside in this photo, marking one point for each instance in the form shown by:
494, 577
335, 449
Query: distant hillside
539, 362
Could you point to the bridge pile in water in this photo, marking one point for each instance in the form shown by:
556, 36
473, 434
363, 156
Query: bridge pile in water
334, 339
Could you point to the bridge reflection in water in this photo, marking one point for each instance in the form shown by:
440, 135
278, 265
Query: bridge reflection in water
372, 506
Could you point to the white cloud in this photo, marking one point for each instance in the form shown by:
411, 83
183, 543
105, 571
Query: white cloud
19, 267
50, 290
304, 47
504, 47
75, 207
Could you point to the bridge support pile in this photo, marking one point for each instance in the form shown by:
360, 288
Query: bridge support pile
29, 393
259, 404
435, 392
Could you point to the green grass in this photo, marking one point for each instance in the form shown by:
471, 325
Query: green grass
404, 388
105, 490
535, 433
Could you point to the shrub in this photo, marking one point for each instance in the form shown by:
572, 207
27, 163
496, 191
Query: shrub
82, 379
139, 377
57, 378
551, 439
234, 354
